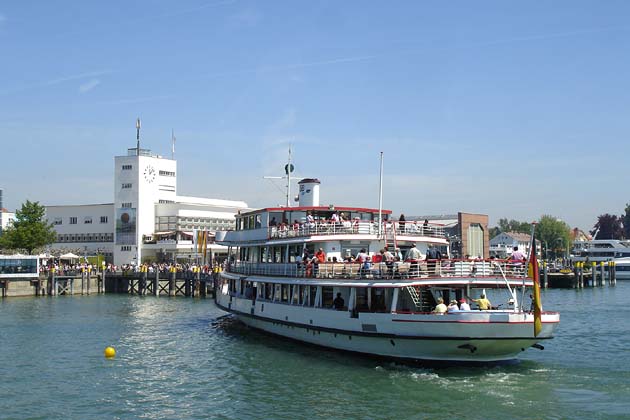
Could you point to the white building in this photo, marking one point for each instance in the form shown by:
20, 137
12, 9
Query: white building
6, 217
147, 221
503, 244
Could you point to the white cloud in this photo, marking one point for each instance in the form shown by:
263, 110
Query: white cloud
88, 86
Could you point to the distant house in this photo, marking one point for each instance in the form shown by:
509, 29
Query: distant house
6, 217
502, 245
577, 234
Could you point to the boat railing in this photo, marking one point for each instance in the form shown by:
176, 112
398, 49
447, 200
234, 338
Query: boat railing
396, 270
355, 227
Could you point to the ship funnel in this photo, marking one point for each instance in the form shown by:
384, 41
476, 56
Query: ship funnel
309, 192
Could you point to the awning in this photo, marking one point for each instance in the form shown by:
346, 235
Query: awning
69, 256
172, 232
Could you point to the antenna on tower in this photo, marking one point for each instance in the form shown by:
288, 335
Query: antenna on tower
138, 136
288, 168
173, 144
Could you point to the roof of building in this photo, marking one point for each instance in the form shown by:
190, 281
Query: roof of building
446, 220
520, 237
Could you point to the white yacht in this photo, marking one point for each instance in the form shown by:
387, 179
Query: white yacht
366, 304
603, 250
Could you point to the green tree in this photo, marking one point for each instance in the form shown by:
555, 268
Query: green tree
506, 225
29, 230
554, 234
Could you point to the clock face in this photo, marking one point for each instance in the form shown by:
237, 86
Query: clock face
149, 173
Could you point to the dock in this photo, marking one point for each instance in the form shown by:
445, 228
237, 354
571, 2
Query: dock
581, 275
173, 283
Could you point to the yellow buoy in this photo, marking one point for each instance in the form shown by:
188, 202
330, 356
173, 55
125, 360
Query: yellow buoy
110, 352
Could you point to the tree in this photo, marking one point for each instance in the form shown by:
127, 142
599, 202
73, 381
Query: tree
625, 219
554, 234
608, 226
29, 230
506, 225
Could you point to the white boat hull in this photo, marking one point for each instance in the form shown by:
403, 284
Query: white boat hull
471, 337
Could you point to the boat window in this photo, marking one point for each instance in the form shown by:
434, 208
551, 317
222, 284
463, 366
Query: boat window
327, 297
277, 293
378, 299
313, 294
269, 291
362, 300
285, 293
303, 294
295, 295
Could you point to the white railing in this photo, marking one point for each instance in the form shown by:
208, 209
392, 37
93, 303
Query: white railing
403, 270
355, 227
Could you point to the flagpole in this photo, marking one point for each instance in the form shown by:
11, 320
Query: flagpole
289, 179
380, 198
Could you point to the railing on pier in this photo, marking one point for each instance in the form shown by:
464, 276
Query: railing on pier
355, 227
402, 270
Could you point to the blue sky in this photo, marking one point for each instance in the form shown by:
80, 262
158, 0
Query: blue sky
513, 109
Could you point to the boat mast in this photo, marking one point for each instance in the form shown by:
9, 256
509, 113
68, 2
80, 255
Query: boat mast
380, 198
288, 169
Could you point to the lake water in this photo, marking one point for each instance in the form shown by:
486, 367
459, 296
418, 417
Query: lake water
181, 358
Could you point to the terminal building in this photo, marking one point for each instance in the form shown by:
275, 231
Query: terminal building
6, 217
148, 221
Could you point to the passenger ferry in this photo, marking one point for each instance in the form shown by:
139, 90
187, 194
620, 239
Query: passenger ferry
602, 250
369, 305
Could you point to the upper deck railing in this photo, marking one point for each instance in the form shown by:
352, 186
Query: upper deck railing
396, 270
389, 229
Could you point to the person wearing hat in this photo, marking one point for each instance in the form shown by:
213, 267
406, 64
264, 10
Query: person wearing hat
440, 309
452, 307
463, 305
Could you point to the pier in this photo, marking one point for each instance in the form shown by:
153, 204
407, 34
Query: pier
173, 283
581, 275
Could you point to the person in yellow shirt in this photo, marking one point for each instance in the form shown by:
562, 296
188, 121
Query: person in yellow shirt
483, 303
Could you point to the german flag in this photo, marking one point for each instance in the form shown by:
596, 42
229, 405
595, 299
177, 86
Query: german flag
534, 274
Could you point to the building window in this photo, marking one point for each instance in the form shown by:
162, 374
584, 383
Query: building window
103, 219
127, 167
126, 205
125, 248
126, 185
73, 220
57, 221
167, 173
166, 201
87, 220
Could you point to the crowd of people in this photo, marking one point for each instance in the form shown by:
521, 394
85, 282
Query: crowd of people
63, 268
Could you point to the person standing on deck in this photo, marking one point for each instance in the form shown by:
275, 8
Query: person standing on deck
413, 256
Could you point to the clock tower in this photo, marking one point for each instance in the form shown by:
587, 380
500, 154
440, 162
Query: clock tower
141, 180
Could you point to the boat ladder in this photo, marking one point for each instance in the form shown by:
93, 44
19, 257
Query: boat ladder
415, 296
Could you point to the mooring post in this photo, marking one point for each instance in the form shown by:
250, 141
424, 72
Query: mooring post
545, 279
188, 279
156, 282
613, 278
602, 275
89, 278
142, 281
171, 282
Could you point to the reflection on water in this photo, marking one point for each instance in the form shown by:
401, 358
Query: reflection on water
184, 358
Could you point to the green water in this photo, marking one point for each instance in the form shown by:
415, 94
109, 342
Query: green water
179, 358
